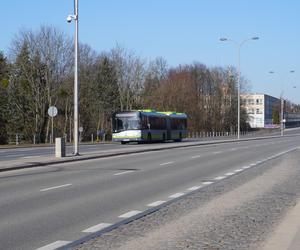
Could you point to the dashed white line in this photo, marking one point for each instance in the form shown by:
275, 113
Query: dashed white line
130, 214
195, 156
6, 156
228, 174
238, 170
155, 203
166, 163
56, 187
124, 172
176, 195
246, 167
96, 228
217, 152
220, 178
33, 156
207, 183
194, 188
54, 245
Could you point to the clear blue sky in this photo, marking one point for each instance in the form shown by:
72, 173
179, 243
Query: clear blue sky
181, 31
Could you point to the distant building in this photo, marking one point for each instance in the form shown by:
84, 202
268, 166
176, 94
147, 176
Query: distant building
260, 108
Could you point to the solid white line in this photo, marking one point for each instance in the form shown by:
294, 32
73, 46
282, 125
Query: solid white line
194, 188
229, 174
124, 172
156, 203
166, 163
176, 195
195, 156
207, 183
220, 178
96, 228
54, 245
56, 187
130, 214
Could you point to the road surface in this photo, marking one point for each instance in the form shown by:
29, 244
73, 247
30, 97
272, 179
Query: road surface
63, 202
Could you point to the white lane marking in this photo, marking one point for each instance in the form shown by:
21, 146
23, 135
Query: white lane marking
228, 174
220, 178
195, 156
26, 149
207, 183
194, 188
124, 172
96, 228
56, 187
252, 164
33, 156
155, 203
130, 214
54, 245
176, 195
258, 162
238, 170
245, 167
233, 149
6, 156
217, 152
166, 163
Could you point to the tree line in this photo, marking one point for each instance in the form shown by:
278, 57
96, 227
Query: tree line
38, 73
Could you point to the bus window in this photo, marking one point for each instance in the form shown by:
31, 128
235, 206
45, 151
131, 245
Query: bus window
126, 123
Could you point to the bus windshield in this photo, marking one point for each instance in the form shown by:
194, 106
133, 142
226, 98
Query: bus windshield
126, 123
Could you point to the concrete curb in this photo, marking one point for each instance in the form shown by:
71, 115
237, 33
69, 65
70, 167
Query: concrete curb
83, 158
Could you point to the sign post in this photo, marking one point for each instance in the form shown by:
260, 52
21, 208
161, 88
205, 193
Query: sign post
52, 112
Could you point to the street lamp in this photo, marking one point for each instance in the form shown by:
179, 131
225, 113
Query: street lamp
239, 45
69, 19
282, 105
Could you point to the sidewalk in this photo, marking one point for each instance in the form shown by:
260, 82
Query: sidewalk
287, 234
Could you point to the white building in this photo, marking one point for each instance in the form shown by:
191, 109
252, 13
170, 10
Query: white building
260, 108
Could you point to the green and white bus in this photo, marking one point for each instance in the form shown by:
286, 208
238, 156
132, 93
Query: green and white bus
148, 126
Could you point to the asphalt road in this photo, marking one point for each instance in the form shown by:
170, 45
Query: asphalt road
36, 152
44, 205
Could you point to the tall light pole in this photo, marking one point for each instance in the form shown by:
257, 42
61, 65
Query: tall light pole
69, 19
239, 45
281, 106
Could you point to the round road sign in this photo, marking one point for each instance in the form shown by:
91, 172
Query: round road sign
52, 111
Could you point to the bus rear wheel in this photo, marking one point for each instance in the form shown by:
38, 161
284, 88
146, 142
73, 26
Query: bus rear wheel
180, 138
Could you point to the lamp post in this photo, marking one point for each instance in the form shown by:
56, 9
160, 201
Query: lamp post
69, 19
239, 45
281, 106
